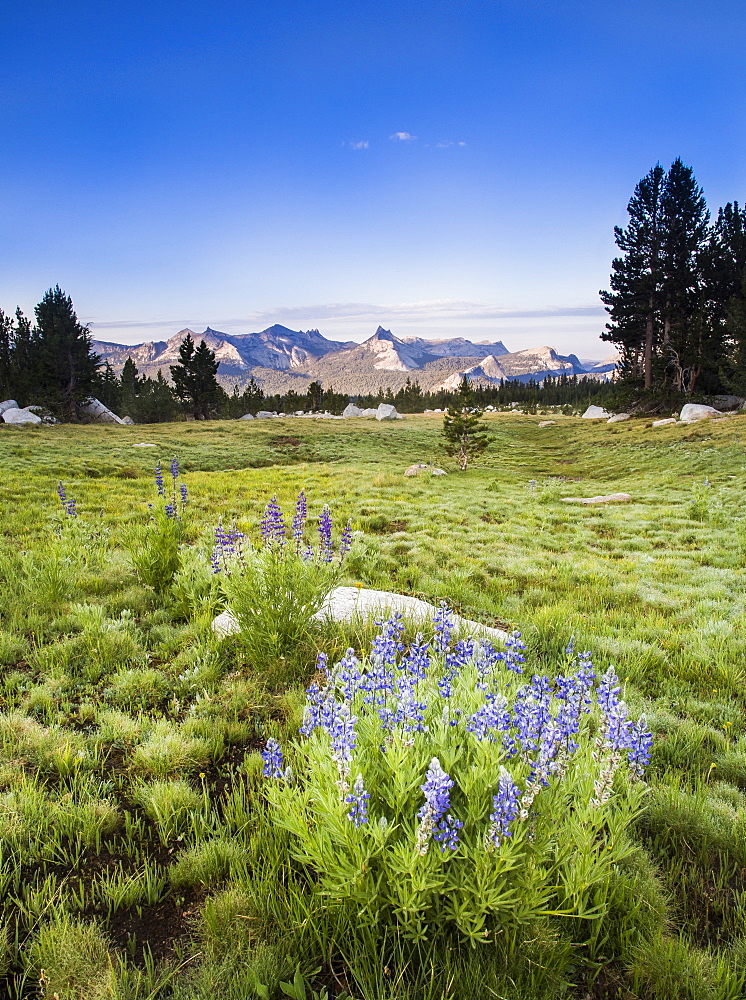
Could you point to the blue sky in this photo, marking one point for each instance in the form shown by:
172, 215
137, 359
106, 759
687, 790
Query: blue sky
440, 168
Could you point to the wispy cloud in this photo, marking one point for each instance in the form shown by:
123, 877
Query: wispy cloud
357, 144
403, 137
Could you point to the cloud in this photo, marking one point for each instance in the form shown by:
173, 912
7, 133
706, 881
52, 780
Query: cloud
357, 144
403, 137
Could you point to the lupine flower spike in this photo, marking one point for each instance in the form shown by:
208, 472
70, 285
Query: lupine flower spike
273, 759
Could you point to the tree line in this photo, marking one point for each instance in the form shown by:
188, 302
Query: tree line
677, 298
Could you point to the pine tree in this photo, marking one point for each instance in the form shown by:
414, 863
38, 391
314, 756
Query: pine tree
129, 390
108, 389
194, 378
6, 354
634, 302
463, 429
689, 345
62, 364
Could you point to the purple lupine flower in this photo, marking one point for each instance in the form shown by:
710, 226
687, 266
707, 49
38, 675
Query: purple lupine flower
443, 625
379, 679
513, 655
184, 495
639, 747
409, 713
343, 738
272, 525
570, 649
531, 712
273, 759
348, 676
358, 800
326, 549
505, 809
446, 833
485, 658
574, 692
416, 660
345, 541
455, 660
174, 469
437, 789
491, 718
299, 518
607, 694
68, 504
159, 480
170, 511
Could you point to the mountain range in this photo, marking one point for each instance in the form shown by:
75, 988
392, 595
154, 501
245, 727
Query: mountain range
279, 359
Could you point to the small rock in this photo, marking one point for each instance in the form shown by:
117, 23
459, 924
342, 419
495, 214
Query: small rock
439, 472
419, 468
370, 411
128, 420
264, 415
546, 423
352, 411
697, 411
662, 423
13, 415
386, 411
618, 418
144, 444
247, 416
596, 413
609, 498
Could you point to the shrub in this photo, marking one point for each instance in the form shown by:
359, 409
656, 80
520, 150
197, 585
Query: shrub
528, 791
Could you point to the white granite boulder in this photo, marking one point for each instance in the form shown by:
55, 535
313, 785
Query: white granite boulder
99, 413
419, 468
664, 422
546, 423
247, 416
14, 415
352, 411
596, 413
8, 404
607, 498
618, 418
386, 411
692, 412
265, 415
128, 420
369, 411
347, 603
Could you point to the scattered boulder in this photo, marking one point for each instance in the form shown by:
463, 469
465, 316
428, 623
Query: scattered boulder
352, 411
8, 404
596, 413
618, 418
609, 498
662, 423
419, 468
144, 444
346, 603
99, 413
546, 423
691, 412
128, 420
386, 411
13, 415
722, 402
247, 416
265, 415
369, 411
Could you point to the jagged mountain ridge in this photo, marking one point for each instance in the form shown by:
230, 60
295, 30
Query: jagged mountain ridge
280, 359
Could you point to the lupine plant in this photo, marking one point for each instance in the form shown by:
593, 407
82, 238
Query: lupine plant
155, 549
275, 587
439, 785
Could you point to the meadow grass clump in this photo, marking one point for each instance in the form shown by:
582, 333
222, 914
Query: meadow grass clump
167, 750
173, 806
70, 957
275, 590
208, 864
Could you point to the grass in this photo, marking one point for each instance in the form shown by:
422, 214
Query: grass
135, 858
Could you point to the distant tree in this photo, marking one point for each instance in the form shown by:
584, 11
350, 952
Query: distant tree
7, 343
194, 378
61, 362
108, 389
463, 428
129, 390
314, 395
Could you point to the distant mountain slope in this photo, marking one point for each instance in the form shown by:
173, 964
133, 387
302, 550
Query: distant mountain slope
280, 359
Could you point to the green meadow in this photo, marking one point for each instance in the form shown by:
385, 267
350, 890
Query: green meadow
138, 858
